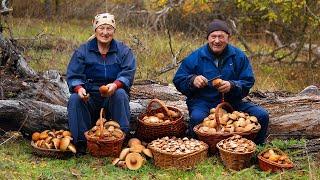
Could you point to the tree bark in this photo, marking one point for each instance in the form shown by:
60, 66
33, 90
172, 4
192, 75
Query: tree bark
293, 116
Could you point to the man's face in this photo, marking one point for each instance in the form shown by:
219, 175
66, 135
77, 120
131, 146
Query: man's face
104, 33
218, 40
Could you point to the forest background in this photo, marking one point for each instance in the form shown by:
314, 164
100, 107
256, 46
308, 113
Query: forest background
281, 37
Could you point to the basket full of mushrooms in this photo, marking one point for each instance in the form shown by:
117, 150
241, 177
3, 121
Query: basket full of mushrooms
178, 153
51, 143
105, 138
273, 159
224, 122
160, 121
236, 152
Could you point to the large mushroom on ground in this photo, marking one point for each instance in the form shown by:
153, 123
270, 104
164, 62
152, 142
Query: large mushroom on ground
133, 141
134, 161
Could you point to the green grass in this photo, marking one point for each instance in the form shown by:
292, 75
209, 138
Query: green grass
18, 162
59, 39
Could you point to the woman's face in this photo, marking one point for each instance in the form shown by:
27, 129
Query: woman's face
104, 33
218, 40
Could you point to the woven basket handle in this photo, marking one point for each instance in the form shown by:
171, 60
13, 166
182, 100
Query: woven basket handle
161, 103
102, 115
224, 105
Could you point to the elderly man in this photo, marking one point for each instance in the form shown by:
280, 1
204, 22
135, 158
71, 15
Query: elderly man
102, 61
218, 58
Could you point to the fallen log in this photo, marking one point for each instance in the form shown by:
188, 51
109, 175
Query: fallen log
293, 116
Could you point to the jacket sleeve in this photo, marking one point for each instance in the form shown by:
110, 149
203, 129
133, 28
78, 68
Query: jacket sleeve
183, 79
245, 81
128, 69
75, 71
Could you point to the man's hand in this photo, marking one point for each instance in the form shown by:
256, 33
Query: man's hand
224, 87
200, 81
112, 88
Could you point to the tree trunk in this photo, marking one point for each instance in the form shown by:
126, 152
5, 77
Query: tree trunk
294, 116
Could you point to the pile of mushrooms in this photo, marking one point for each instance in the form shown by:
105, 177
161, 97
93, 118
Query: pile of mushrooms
161, 118
59, 140
107, 130
230, 122
237, 144
272, 156
134, 156
177, 146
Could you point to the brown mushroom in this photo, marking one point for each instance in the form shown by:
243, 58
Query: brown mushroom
43, 135
133, 141
147, 152
112, 123
72, 148
160, 115
66, 133
134, 161
124, 153
216, 82
104, 90
64, 143
56, 143
117, 133
35, 136
137, 148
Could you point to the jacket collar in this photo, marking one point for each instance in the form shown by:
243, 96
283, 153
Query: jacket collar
93, 46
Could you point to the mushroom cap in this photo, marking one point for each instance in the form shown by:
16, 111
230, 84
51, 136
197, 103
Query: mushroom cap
43, 135
35, 136
112, 123
72, 148
134, 161
124, 153
137, 148
103, 89
217, 82
56, 142
66, 133
64, 143
147, 152
133, 141
117, 133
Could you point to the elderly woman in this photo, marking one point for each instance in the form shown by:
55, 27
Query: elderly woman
102, 61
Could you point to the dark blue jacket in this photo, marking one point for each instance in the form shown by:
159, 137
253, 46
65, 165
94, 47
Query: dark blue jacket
234, 66
88, 68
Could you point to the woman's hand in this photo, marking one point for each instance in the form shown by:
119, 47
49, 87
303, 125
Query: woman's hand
82, 93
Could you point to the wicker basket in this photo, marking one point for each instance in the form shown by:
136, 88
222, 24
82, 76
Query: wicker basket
52, 153
235, 160
267, 165
151, 131
184, 162
213, 139
100, 147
